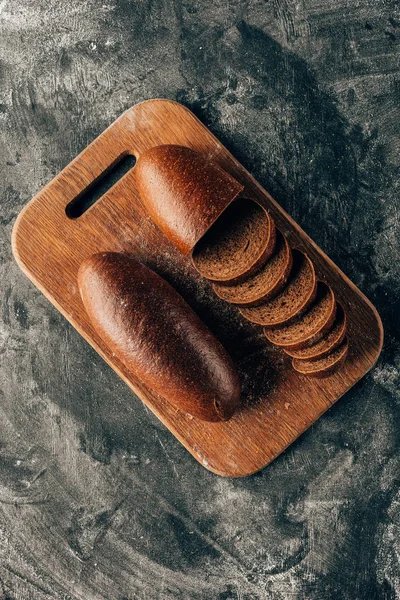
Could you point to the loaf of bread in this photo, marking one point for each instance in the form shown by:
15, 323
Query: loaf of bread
151, 329
234, 243
183, 192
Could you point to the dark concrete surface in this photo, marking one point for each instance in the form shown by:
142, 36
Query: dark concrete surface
97, 499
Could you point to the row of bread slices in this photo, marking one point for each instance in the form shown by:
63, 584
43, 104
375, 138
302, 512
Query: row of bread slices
253, 267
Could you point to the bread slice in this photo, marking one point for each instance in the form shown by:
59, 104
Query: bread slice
266, 283
311, 326
292, 301
237, 245
323, 366
327, 344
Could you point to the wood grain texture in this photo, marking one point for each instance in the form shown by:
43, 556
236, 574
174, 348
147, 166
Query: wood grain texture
278, 404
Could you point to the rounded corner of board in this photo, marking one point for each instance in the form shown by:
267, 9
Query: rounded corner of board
229, 472
156, 102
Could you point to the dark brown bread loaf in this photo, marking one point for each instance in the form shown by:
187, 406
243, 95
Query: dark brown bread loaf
155, 334
292, 301
183, 192
323, 366
234, 244
240, 241
266, 283
331, 340
311, 326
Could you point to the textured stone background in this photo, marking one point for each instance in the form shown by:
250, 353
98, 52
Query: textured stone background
306, 94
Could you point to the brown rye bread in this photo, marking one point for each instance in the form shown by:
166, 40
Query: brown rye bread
266, 283
237, 244
298, 293
183, 191
311, 326
152, 330
329, 342
323, 366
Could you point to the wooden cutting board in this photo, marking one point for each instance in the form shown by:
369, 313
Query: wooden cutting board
278, 404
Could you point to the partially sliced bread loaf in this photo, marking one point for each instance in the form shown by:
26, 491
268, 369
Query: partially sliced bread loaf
266, 283
237, 245
323, 366
327, 344
311, 326
292, 301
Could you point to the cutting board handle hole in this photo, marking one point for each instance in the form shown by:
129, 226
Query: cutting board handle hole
100, 186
